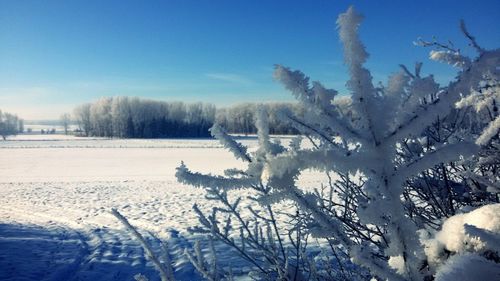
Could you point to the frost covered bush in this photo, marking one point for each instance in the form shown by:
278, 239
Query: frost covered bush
400, 158
276, 249
412, 170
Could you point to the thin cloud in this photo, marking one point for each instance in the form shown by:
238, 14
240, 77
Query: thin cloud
229, 77
20, 95
39, 111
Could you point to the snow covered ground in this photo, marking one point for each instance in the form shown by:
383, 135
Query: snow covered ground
56, 193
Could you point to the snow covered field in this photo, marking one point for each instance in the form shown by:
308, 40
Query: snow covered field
56, 193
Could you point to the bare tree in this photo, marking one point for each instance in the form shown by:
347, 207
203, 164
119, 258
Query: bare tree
65, 120
10, 124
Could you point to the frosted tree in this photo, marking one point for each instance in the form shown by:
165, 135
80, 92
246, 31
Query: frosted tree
82, 117
443, 190
10, 125
121, 119
257, 235
126, 117
379, 121
396, 157
360, 143
65, 119
485, 123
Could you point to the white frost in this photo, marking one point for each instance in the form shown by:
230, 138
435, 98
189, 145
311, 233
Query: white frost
469, 267
463, 233
489, 132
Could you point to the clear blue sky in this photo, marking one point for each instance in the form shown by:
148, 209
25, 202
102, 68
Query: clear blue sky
56, 54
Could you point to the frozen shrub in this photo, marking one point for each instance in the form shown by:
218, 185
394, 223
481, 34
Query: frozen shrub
404, 166
391, 154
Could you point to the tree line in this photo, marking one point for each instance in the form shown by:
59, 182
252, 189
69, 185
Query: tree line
126, 117
10, 124
240, 118
137, 118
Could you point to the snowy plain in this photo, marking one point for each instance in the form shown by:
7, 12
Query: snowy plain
56, 193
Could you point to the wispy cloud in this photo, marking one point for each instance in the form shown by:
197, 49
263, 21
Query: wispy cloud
30, 103
229, 77
23, 94
39, 112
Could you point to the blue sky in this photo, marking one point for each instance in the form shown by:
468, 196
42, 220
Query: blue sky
57, 54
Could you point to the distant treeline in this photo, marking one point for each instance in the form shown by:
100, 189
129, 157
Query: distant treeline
10, 124
126, 117
240, 118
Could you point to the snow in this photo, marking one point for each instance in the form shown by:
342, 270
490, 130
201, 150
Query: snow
489, 132
468, 237
56, 197
66, 141
452, 58
118, 164
453, 234
397, 263
469, 267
